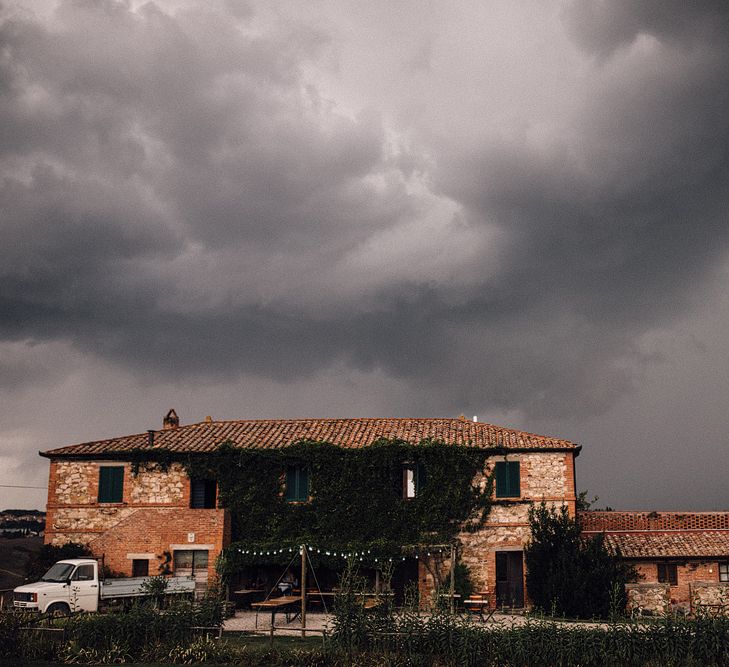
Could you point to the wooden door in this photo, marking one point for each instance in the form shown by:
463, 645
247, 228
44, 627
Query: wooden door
510, 579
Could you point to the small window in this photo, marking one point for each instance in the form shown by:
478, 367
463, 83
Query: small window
723, 571
111, 484
140, 567
297, 484
507, 479
667, 574
203, 494
413, 480
84, 573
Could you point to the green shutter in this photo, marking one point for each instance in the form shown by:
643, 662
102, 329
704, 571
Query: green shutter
502, 480
514, 481
507, 479
421, 479
111, 484
303, 485
291, 484
297, 484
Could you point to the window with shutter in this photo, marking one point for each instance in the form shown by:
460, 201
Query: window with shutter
508, 484
414, 479
203, 493
111, 484
297, 484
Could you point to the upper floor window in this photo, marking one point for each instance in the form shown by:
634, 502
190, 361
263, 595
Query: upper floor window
413, 480
507, 479
667, 574
111, 484
723, 571
297, 484
203, 494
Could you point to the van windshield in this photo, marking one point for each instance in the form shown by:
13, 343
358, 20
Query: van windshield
59, 573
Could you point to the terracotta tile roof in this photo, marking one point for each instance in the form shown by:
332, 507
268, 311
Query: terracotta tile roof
354, 433
673, 544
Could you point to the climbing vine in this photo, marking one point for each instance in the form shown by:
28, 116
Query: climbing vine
355, 496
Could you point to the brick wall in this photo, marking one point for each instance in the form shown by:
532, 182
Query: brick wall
153, 516
621, 521
154, 531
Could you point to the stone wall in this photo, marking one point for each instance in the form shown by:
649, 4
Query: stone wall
74, 482
707, 596
545, 476
160, 487
648, 599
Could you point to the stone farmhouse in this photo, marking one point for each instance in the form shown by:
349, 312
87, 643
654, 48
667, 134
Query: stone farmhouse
139, 520
136, 521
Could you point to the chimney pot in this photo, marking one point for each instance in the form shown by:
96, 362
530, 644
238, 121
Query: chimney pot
170, 420
208, 419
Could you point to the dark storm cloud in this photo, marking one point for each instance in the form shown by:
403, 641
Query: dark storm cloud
178, 197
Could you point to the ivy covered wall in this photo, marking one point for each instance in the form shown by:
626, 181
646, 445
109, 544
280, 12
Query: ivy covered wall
355, 498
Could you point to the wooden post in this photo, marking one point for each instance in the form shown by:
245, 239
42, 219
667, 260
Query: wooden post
303, 590
453, 575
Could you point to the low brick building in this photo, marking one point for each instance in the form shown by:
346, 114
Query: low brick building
139, 521
682, 557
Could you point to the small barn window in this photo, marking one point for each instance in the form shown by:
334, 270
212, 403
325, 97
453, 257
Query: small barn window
140, 567
507, 479
723, 571
297, 484
111, 484
667, 574
203, 494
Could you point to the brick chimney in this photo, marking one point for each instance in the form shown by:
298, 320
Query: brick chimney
170, 421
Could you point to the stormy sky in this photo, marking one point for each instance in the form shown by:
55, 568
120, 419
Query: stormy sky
516, 210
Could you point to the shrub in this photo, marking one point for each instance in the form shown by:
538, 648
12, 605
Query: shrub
568, 574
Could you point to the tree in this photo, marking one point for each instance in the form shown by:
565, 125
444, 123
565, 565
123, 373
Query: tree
37, 566
569, 574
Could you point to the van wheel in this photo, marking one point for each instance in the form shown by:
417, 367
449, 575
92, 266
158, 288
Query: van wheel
59, 609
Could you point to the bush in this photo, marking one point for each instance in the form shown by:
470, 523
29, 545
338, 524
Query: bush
569, 575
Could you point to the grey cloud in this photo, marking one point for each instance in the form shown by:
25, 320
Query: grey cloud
602, 27
178, 194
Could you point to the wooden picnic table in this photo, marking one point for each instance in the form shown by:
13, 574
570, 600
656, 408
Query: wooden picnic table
247, 593
278, 604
